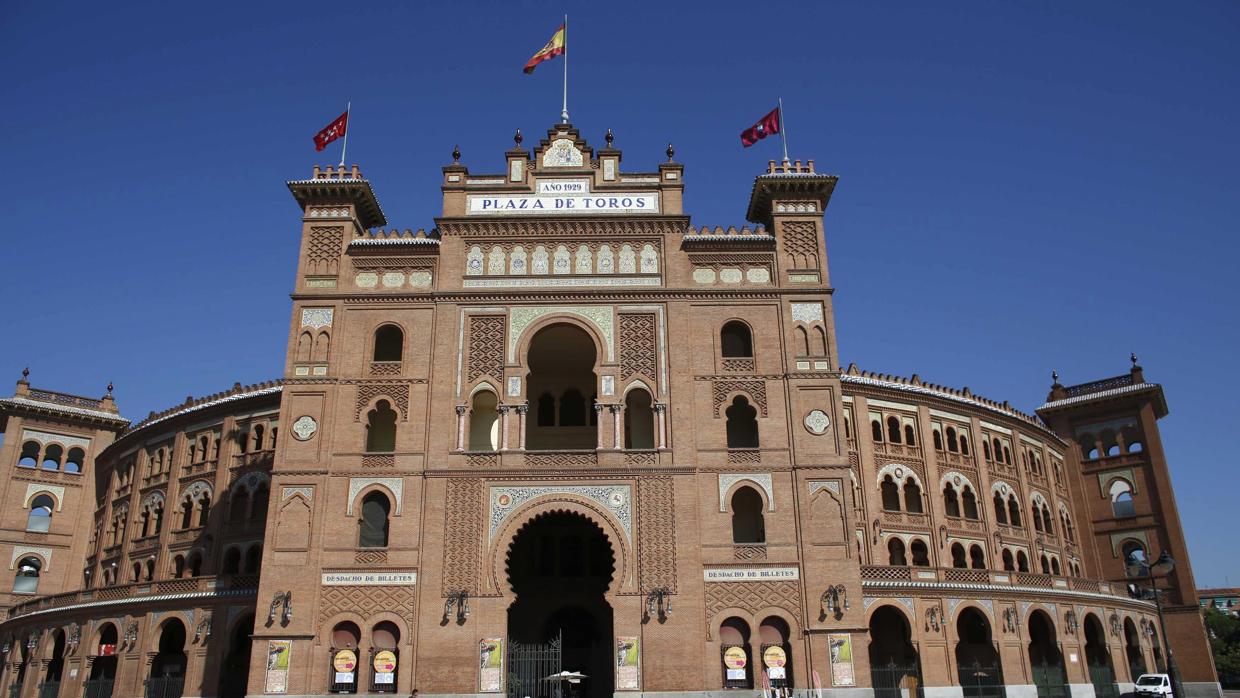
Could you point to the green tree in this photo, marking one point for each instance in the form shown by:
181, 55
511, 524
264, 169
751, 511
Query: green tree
1224, 632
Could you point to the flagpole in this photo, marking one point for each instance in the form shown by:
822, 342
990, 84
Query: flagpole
347, 114
783, 129
564, 111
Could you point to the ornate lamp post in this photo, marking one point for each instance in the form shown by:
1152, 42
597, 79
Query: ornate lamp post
1162, 567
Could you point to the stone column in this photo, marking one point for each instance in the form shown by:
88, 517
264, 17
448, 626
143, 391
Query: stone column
460, 427
616, 422
521, 416
660, 411
598, 420
503, 426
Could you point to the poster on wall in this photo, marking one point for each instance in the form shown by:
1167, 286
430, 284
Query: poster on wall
841, 660
345, 663
628, 672
734, 662
277, 665
776, 661
491, 665
385, 667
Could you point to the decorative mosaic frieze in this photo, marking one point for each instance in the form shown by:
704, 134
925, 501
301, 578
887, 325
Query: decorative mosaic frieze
290, 492
762, 480
55, 490
47, 437
317, 317
829, 485
20, 551
617, 499
809, 313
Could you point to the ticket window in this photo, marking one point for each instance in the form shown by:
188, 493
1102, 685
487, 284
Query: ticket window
776, 659
384, 657
343, 658
735, 656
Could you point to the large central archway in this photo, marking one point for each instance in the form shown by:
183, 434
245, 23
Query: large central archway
561, 389
560, 566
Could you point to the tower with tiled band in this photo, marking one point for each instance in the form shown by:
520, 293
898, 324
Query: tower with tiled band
1124, 479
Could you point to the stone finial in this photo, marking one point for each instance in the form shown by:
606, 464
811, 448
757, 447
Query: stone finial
609, 137
456, 154
1133, 358
109, 388
671, 152
1054, 376
517, 138
26, 373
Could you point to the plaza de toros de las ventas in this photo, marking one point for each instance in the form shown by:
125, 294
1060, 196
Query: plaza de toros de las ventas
566, 428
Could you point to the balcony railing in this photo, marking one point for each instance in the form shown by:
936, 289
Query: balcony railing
898, 450
124, 591
959, 575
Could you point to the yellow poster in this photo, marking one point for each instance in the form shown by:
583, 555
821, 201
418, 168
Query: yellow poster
628, 672
735, 658
841, 660
345, 661
277, 665
491, 665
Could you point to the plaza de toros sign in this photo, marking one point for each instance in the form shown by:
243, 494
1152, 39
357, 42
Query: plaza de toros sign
563, 197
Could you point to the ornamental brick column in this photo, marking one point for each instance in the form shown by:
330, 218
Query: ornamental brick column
598, 421
616, 427
460, 427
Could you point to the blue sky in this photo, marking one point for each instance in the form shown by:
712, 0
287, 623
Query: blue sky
1022, 186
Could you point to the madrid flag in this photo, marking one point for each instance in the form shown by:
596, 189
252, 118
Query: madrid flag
766, 126
334, 130
555, 47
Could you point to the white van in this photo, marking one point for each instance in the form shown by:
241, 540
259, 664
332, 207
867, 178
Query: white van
1153, 686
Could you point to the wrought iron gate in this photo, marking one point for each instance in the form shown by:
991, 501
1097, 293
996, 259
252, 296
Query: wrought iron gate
1050, 680
529, 663
893, 680
1103, 679
979, 680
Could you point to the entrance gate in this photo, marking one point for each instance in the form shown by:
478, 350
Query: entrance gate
529, 663
979, 680
1050, 680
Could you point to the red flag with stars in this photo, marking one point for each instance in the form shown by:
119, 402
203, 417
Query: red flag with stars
334, 130
766, 126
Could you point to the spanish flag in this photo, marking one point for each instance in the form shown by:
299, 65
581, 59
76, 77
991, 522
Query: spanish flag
555, 47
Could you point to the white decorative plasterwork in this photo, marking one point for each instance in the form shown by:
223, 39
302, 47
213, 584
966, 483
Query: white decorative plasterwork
516, 170
609, 169
197, 489
514, 386
763, 480
20, 551
601, 316
990, 606
305, 427
757, 275
869, 601
366, 279
957, 479
420, 279
704, 275
730, 276
617, 499
251, 481
809, 313
817, 422
290, 492
47, 437
393, 279
562, 153
907, 602
609, 385
1001, 487
56, 491
317, 317
394, 485
829, 485
153, 499
898, 472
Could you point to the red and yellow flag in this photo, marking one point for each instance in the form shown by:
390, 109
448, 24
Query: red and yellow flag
555, 47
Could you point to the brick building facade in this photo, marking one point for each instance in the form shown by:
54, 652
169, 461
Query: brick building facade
566, 429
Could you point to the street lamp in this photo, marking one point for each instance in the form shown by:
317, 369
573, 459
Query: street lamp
1162, 567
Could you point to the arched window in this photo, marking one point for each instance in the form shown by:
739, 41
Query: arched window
1009, 565
1014, 511
1134, 551
802, 341
748, 525
876, 430
1037, 520
381, 429
136, 575
257, 434
484, 422
986, 449
638, 419
40, 517
238, 504
921, 554
253, 559
51, 457
1121, 499
1046, 565
373, 531
27, 579
969, 503
204, 509
952, 444
958, 558
912, 496
733, 636
951, 503
977, 558
572, 408
389, 343
73, 464
895, 553
909, 437
742, 425
1022, 562
546, 410
891, 494
998, 449
964, 445
232, 561
195, 564
938, 440
893, 430
150, 570
258, 505
1046, 521
1055, 566
1007, 455
735, 340
178, 567
30, 455
1000, 509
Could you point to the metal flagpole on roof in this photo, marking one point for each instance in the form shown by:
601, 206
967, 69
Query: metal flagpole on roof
347, 114
783, 129
564, 112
